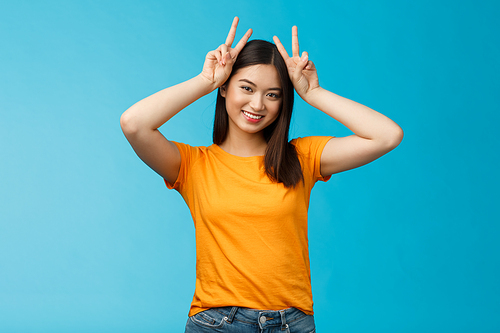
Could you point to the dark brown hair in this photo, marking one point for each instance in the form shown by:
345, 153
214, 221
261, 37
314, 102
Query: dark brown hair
281, 161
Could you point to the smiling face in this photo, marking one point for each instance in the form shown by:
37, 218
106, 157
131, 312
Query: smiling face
253, 98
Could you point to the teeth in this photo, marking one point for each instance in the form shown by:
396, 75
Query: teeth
249, 115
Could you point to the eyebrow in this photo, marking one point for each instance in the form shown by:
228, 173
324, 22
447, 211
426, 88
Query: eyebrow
253, 84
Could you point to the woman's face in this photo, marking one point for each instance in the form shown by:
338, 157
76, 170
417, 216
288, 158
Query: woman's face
253, 98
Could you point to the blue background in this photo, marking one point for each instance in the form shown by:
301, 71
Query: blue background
92, 241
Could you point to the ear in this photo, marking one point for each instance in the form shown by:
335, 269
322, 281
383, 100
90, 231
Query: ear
223, 90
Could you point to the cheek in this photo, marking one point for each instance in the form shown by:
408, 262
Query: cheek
235, 100
275, 110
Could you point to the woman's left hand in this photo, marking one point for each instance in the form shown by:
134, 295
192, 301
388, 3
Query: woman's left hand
301, 70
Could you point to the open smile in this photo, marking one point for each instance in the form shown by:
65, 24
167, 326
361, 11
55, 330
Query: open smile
252, 116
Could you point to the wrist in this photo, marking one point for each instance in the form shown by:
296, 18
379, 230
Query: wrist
313, 96
206, 85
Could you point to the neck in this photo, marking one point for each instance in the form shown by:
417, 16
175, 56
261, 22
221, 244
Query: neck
244, 144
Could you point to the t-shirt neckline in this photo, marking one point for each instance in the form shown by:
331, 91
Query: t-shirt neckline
243, 158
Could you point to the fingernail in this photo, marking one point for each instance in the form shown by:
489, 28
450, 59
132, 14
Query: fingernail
304, 58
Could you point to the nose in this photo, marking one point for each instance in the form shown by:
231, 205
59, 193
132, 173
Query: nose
257, 103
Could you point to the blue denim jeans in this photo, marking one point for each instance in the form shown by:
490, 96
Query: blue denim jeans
243, 320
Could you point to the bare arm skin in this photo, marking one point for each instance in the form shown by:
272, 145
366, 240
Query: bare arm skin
374, 133
141, 121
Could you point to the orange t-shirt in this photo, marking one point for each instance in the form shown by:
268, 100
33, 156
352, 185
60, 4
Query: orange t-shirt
251, 234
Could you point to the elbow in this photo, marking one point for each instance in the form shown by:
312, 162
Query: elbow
394, 137
127, 123
390, 138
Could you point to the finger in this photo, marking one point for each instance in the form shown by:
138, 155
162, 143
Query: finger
281, 48
305, 58
295, 41
210, 55
232, 32
242, 42
301, 65
213, 55
217, 55
223, 53
310, 65
228, 59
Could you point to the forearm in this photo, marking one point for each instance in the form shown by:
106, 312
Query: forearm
153, 111
362, 120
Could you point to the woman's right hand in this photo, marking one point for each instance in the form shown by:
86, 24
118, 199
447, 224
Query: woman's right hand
219, 62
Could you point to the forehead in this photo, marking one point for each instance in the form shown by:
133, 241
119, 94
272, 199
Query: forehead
263, 76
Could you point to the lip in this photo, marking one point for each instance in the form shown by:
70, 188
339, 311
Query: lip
251, 119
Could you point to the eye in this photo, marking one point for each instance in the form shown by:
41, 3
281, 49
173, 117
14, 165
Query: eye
273, 95
246, 88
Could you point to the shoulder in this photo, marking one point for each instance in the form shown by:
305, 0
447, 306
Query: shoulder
186, 149
310, 144
309, 150
190, 156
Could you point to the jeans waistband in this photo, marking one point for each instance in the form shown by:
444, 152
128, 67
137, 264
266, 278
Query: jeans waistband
262, 318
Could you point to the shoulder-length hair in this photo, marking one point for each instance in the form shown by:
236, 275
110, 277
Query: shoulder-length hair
281, 161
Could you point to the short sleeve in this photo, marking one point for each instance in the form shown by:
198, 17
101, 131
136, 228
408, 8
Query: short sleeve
187, 153
310, 149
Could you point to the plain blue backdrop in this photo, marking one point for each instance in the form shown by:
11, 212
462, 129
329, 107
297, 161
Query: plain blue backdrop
92, 241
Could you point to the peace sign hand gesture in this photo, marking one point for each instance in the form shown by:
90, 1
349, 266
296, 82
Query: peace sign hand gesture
219, 62
301, 70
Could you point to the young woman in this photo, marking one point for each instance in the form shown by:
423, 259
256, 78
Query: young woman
249, 192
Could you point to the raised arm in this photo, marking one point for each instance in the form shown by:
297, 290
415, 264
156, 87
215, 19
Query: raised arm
374, 133
141, 121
